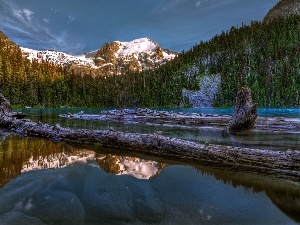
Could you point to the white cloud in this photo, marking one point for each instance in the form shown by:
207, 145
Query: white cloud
46, 20
24, 14
169, 6
71, 19
199, 3
29, 32
28, 14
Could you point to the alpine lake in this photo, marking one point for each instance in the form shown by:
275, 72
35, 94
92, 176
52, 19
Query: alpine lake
43, 182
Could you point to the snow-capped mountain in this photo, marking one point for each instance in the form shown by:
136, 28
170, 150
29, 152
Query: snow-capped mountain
135, 55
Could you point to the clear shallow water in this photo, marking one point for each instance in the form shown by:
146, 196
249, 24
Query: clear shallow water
42, 182
261, 140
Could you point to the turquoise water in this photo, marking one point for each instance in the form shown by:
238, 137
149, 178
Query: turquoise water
42, 182
262, 112
261, 140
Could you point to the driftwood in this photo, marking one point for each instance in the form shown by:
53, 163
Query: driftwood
244, 114
155, 117
278, 164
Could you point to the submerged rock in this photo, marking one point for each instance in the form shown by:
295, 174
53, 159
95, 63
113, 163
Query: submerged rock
111, 199
106, 198
148, 205
13, 218
54, 206
245, 112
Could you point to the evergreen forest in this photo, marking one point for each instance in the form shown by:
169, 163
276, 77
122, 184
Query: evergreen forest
265, 57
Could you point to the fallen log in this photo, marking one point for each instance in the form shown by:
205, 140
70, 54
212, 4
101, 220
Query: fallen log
155, 117
284, 164
278, 164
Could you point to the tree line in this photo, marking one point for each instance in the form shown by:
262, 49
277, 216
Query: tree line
265, 57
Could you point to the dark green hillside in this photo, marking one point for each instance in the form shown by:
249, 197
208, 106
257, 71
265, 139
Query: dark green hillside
263, 56
29, 83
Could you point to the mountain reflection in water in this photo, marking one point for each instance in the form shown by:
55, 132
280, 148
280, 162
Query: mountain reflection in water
126, 165
26, 154
64, 184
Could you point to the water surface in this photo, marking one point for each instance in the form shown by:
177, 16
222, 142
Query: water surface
258, 139
42, 182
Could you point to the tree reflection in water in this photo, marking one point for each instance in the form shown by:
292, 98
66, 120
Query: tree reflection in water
18, 154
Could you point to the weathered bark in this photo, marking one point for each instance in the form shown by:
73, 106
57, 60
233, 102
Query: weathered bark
245, 113
278, 164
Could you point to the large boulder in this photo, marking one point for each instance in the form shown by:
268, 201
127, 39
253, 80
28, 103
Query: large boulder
245, 112
14, 218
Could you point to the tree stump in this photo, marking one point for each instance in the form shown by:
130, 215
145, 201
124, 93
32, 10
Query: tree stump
245, 112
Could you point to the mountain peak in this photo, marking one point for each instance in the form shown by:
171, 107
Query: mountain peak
283, 8
136, 46
114, 57
136, 55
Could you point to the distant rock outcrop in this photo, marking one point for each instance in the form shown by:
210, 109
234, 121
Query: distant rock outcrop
283, 8
210, 85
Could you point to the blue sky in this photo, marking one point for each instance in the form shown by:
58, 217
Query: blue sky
77, 26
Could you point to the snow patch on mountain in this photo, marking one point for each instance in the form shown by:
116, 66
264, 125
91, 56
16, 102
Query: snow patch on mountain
142, 45
58, 58
138, 54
